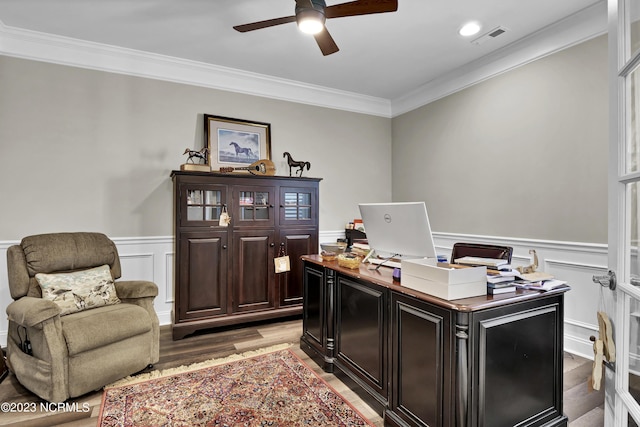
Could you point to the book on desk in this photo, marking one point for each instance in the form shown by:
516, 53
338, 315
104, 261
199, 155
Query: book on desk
501, 288
502, 278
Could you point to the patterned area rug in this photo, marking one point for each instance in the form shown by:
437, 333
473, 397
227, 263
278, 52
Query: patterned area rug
273, 389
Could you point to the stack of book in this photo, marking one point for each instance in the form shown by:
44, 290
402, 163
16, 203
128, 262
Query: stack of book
501, 278
501, 283
360, 247
500, 275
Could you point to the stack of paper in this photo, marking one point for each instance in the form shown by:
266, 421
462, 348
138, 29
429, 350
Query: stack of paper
501, 278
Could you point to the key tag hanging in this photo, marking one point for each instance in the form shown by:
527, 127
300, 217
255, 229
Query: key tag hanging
282, 263
225, 219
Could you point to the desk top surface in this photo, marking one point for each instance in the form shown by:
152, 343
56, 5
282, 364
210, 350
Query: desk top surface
383, 277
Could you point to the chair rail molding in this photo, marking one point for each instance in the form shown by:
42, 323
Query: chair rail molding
151, 258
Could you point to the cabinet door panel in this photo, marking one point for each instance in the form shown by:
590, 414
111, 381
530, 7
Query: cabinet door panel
202, 273
420, 351
253, 270
313, 318
298, 206
253, 206
296, 243
361, 334
200, 204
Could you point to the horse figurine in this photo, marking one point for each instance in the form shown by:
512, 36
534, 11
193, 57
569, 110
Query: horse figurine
201, 155
241, 150
296, 164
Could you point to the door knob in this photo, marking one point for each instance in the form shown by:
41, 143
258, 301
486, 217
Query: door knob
606, 280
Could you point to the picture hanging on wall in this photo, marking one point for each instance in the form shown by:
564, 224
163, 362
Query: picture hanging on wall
235, 142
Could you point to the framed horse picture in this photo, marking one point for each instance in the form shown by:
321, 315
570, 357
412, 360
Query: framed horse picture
235, 142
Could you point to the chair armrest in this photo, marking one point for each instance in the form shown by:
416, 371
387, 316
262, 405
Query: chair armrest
30, 311
132, 289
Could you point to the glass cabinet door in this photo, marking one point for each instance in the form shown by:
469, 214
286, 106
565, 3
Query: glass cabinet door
298, 206
202, 205
253, 206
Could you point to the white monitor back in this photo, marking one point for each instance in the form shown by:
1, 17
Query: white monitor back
401, 230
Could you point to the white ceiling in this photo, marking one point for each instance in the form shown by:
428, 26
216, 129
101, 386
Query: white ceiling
385, 56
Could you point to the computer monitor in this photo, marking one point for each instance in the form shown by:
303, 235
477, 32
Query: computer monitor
399, 230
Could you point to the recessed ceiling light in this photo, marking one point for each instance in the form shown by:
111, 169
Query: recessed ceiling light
469, 29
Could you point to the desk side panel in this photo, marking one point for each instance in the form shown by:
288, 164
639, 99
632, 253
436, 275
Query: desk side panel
421, 362
361, 332
519, 365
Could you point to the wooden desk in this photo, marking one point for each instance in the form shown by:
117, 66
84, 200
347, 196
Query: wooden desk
489, 361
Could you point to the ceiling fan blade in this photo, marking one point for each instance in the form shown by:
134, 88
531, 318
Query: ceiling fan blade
264, 24
325, 42
361, 7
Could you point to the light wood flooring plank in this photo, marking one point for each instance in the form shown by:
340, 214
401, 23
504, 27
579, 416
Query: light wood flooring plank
593, 418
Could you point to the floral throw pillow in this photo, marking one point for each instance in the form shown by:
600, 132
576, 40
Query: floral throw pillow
80, 290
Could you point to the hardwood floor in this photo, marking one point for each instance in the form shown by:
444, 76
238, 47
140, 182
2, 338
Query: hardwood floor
584, 408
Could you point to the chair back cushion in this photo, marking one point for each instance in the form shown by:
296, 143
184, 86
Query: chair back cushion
80, 290
57, 253
461, 250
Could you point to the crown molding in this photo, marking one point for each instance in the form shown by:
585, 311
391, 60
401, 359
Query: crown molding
37, 46
575, 29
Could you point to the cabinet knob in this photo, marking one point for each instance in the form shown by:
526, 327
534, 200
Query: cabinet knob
272, 244
224, 246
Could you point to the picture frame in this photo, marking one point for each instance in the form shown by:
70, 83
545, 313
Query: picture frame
236, 143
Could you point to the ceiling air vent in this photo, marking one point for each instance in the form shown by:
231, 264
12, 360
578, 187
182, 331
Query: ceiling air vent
496, 32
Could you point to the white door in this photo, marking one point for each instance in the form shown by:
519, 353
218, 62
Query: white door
623, 386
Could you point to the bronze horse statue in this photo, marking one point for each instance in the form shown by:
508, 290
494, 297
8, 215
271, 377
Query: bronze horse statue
202, 154
296, 164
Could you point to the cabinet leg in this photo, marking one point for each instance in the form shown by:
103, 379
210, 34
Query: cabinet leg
462, 338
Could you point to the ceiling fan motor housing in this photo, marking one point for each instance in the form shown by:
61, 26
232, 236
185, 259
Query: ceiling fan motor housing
311, 4
314, 12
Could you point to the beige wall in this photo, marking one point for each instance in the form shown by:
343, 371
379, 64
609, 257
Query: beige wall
89, 150
520, 155
523, 154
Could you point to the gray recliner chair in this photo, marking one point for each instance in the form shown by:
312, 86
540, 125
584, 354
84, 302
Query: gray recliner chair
58, 356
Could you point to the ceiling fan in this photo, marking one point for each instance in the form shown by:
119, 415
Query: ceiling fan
312, 14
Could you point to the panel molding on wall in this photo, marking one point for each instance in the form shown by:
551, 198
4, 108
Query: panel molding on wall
151, 258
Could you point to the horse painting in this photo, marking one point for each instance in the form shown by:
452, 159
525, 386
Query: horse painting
242, 150
296, 164
202, 154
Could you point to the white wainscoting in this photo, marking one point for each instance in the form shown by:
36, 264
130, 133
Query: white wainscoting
151, 258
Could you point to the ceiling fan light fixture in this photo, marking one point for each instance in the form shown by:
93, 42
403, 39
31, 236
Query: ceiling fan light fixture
310, 21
